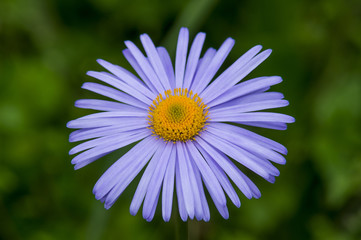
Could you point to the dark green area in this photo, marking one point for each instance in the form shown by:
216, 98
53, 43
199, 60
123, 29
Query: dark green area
46, 47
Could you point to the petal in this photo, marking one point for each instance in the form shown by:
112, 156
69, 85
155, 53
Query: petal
236, 153
112, 138
128, 112
185, 181
261, 140
127, 173
115, 82
127, 77
108, 179
156, 182
249, 107
210, 180
90, 160
100, 105
252, 117
231, 134
108, 147
133, 62
145, 66
114, 94
155, 60
222, 177
167, 63
270, 125
260, 162
89, 133
218, 88
103, 122
251, 98
179, 188
227, 165
144, 182
193, 59
168, 188
196, 192
181, 56
213, 66
231, 72
203, 64
154, 207
245, 88
204, 204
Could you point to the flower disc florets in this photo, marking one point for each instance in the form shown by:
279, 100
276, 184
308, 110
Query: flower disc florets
179, 116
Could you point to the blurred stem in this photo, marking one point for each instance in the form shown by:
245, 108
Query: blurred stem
194, 230
98, 220
192, 17
181, 229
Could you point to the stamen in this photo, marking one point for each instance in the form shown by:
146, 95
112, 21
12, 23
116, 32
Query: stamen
179, 116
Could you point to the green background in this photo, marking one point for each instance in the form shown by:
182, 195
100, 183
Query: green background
46, 47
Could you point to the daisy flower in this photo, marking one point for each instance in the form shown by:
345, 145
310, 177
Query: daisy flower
186, 126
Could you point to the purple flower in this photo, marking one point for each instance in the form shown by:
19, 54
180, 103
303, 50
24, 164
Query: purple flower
180, 118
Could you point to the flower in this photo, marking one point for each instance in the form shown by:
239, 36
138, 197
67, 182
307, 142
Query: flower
180, 121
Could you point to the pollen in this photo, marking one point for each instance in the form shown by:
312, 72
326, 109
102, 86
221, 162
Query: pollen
177, 115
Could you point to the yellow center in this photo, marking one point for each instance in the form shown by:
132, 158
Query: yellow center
180, 116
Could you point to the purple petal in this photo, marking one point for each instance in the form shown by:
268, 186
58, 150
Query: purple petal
110, 139
127, 77
127, 173
144, 182
233, 69
167, 63
156, 182
107, 180
251, 98
155, 60
266, 142
185, 181
108, 147
154, 207
253, 162
179, 188
227, 165
145, 65
218, 88
130, 112
214, 65
133, 62
245, 88
252, 117
168, 188
115, 82
270, 125
204, 204
88, 133
203, 64
100, 105
210, 180
196, 192
181, 56
231, 133
249, 107
104, 122
235, 153
114, 94
193, 59
222, 177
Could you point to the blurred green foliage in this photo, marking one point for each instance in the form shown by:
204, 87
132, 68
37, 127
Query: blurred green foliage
46, 46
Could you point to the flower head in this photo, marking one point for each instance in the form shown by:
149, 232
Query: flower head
178, 117
180, 120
